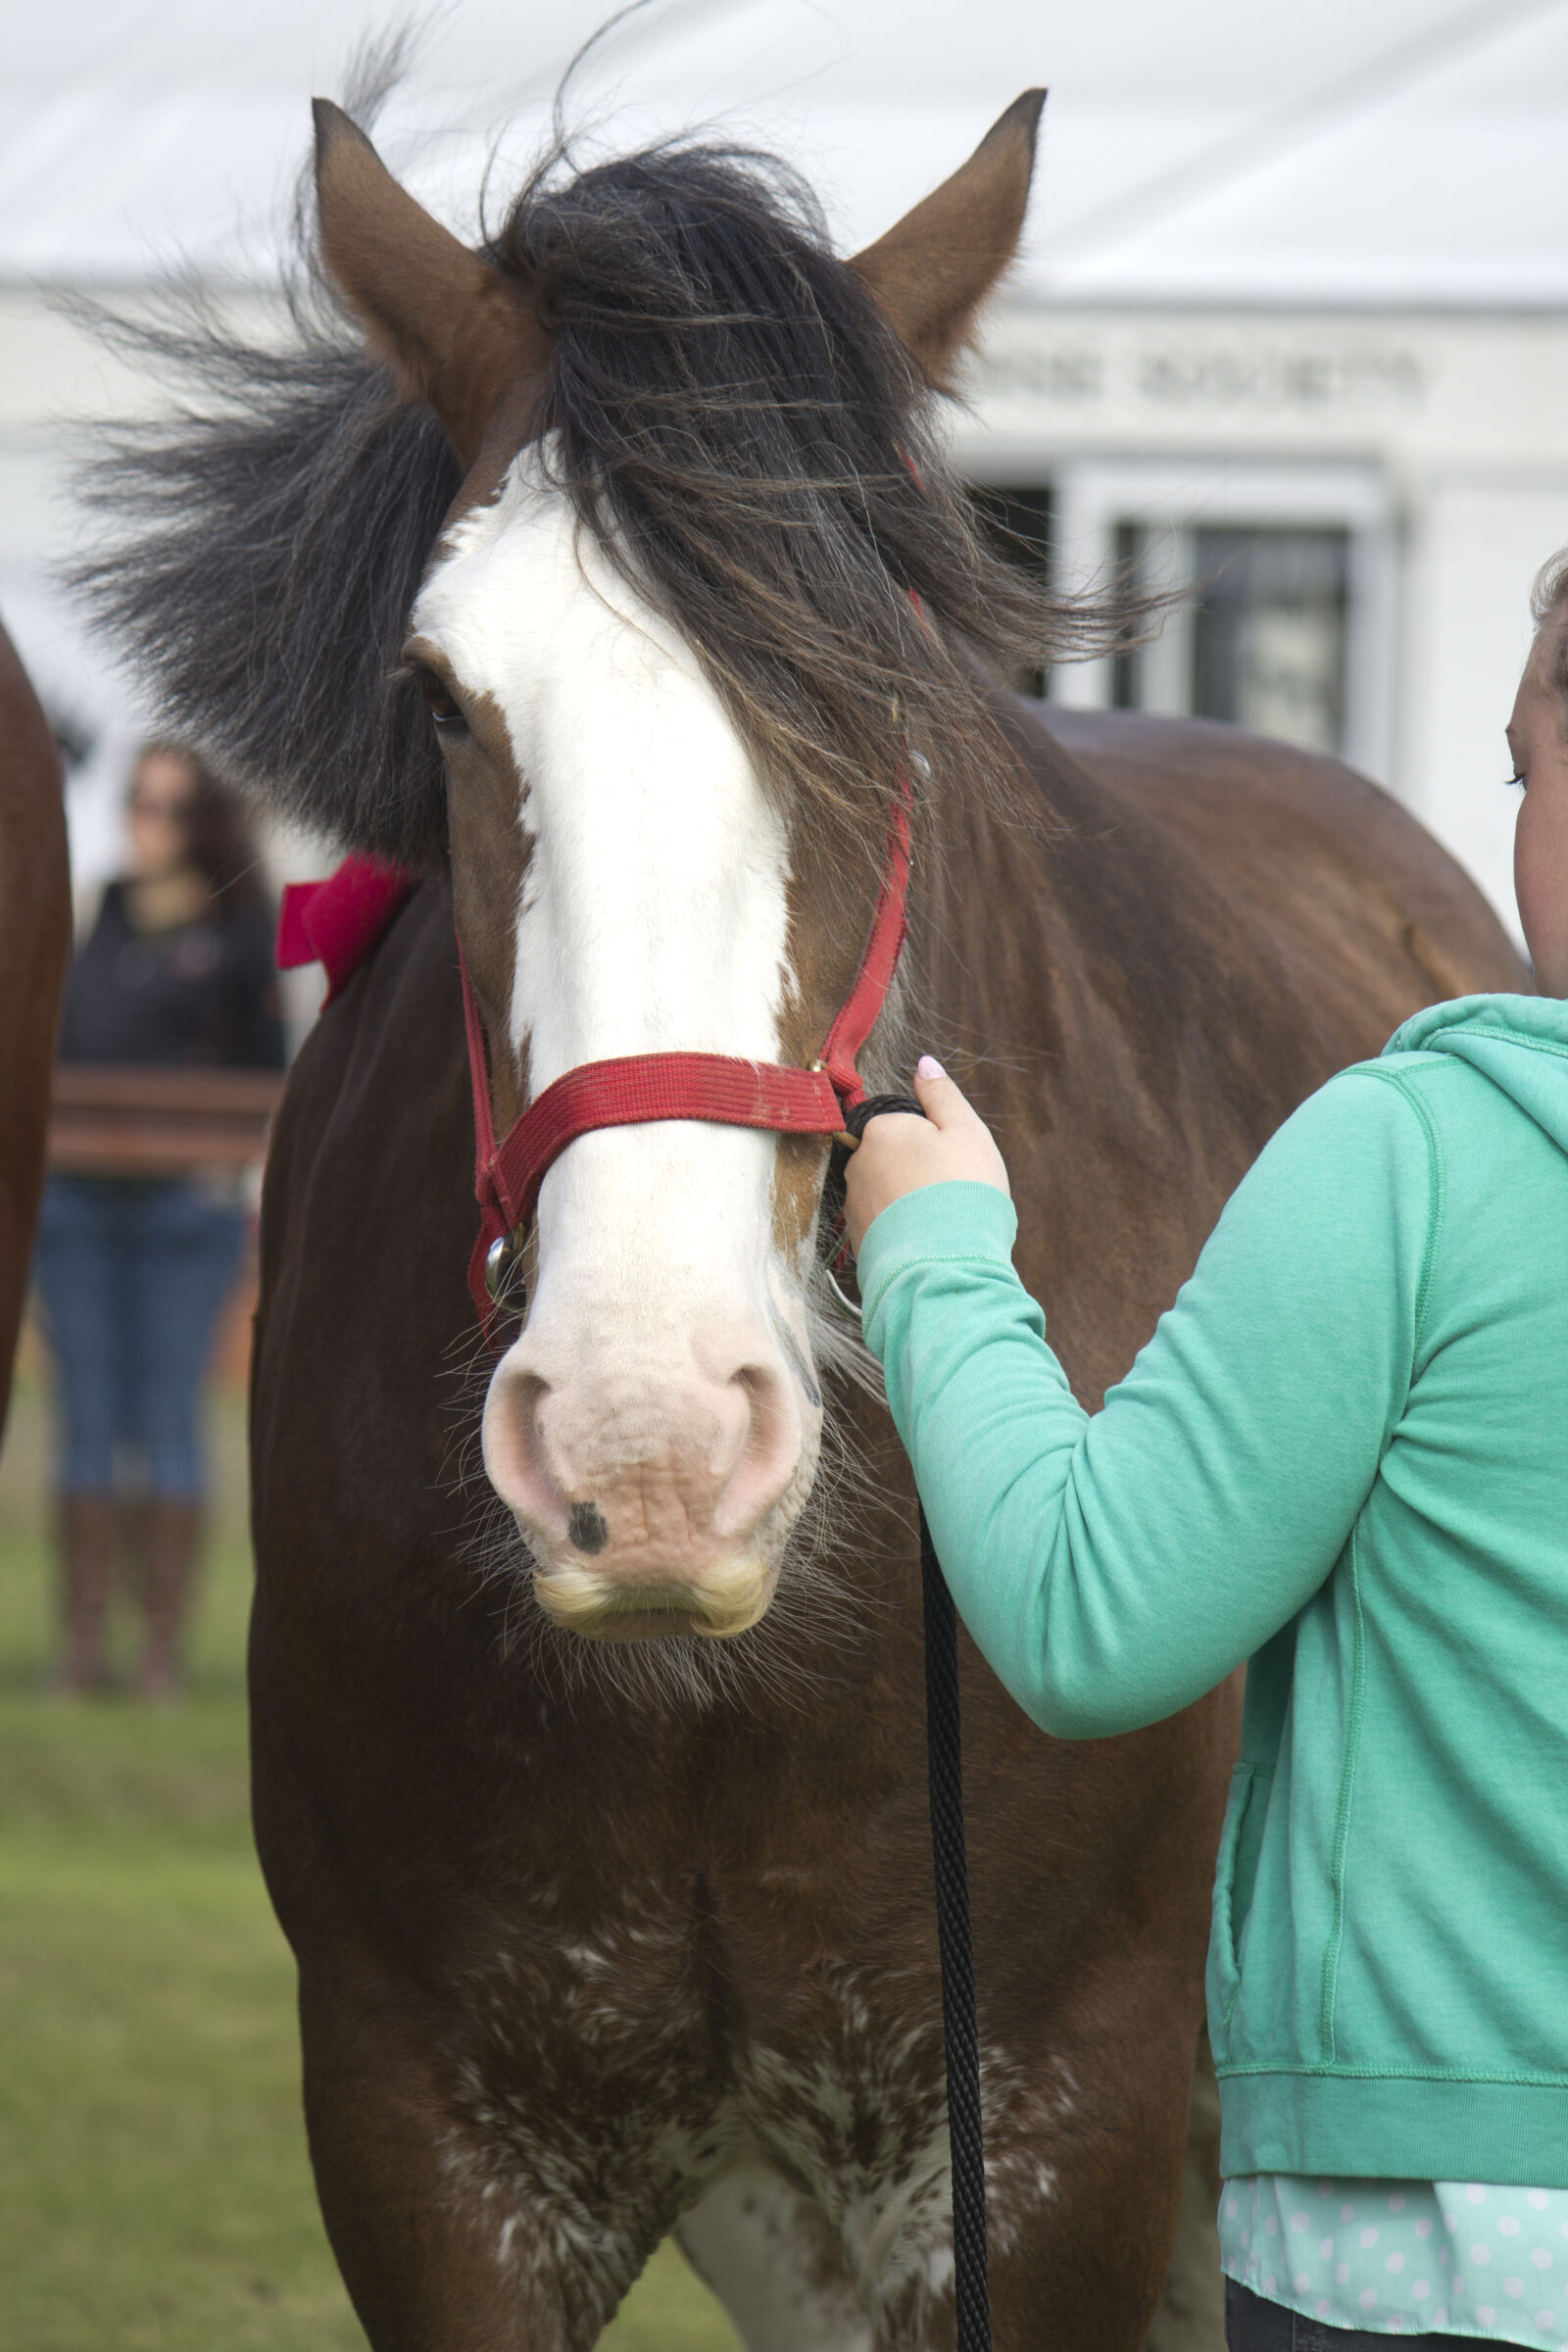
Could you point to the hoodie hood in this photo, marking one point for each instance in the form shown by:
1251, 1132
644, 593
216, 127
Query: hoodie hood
1519, 1043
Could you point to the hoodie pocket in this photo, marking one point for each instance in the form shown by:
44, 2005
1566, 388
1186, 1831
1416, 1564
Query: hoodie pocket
1235, 1873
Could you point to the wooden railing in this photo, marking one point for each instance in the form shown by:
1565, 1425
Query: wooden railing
144, 1119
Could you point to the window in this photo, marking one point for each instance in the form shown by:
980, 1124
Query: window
1268, 637
1262, 644
1282, 577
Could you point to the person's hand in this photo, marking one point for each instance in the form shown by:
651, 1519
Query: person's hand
900, 1153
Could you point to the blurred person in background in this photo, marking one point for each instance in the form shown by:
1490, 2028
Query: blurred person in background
133, 1268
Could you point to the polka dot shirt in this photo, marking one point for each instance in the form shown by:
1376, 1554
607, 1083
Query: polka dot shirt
1404, 2256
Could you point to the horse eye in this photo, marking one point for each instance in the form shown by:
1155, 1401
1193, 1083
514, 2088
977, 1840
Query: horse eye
440, 704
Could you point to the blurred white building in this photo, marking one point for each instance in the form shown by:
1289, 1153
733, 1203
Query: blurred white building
1292, 323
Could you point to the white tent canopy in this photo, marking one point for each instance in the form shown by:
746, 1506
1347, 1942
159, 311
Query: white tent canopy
1413, 152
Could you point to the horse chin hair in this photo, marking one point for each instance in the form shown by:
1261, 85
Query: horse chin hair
722, 1605
818, 1613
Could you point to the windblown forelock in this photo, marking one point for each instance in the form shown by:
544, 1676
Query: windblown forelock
745, 436
271, 535
733, 420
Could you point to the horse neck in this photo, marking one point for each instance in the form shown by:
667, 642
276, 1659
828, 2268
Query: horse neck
997, 922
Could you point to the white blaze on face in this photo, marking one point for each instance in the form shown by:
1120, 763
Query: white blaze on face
648, 1426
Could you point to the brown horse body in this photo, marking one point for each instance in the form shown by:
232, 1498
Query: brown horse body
34, 941
579, 1967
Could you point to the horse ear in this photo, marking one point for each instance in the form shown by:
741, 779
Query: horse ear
933, 271
454, 331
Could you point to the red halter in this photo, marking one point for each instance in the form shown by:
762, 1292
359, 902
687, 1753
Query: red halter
339, 921
637, 1088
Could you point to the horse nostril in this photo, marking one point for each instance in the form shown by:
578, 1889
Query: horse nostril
587, 1527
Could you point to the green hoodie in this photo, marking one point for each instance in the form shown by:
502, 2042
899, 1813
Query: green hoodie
1344, 1454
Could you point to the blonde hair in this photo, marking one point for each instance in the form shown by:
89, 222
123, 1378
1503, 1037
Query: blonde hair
1548, 602
1549, 588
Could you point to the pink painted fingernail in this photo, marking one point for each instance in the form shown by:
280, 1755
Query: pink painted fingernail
929, 1067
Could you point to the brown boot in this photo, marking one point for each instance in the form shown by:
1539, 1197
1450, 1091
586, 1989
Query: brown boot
174, 1530
89, 1527
130, 1567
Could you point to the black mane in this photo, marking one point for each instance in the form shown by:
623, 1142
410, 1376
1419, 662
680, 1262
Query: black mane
272, 534
734, 422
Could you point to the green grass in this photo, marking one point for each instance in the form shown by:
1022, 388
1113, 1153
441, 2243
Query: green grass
154, 2195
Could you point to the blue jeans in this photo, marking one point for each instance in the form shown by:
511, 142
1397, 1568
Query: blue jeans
132, 1274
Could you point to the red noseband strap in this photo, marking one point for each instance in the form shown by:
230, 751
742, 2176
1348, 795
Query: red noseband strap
636, 1089
633, 1089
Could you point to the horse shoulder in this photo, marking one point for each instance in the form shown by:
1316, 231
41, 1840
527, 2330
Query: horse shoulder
1345, 867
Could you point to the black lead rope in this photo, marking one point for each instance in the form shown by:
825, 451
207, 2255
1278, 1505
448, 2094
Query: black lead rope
959, 2032
944, 1732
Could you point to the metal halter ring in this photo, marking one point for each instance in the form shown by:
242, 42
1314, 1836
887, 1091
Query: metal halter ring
501, 1262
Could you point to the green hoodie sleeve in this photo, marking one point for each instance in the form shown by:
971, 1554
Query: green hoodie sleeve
1114, 1567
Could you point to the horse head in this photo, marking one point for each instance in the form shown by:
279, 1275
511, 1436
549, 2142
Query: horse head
645, 853
614, 571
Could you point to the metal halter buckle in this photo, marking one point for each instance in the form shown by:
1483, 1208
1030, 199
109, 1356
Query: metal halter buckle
501, 1262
